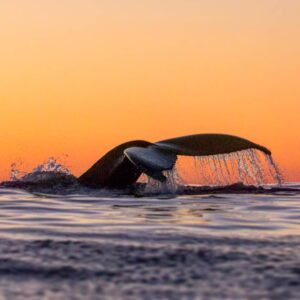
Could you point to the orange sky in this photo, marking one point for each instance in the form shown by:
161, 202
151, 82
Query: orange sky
79, 77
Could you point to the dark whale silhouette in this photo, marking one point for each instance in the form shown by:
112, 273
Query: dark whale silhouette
124, 164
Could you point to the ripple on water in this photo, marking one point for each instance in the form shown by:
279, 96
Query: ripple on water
246, 214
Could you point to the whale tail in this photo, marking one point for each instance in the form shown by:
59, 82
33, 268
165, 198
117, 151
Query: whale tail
124, 164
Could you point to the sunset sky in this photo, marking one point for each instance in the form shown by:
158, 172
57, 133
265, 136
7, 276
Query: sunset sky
78, 77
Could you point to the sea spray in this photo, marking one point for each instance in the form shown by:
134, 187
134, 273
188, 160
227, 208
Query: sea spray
52, 176
249, 167
52, 164
49, 168
15, 172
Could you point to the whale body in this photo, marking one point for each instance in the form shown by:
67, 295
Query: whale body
124, 164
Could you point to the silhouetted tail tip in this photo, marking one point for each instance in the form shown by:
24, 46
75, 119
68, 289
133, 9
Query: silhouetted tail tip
265, 150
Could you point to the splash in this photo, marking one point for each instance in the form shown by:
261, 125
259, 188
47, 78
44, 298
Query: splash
50, 177
171, 185
249, 167
43, 171
52, 164
15, 171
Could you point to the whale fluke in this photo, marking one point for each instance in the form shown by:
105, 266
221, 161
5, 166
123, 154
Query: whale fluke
124, 164
208, 144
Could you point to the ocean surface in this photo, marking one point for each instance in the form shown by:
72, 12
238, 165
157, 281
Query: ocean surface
105, 246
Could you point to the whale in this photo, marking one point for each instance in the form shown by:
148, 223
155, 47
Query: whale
123, 165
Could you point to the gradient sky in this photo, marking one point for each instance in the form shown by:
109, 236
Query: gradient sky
81, 76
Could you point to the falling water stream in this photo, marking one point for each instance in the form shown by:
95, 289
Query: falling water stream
250, 167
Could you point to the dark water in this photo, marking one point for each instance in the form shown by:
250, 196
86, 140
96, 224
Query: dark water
97, 246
